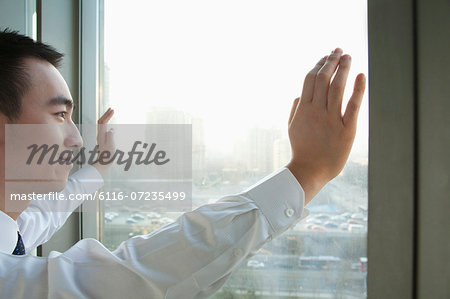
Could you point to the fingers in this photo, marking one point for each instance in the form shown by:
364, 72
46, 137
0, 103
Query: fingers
105, 139
351, 112
323, 78
337, 87
293, 109
308, 84
106, 117
101, 129
109, 138
101, 133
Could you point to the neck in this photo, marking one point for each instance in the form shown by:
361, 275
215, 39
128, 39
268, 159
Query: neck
13, 215
13, 210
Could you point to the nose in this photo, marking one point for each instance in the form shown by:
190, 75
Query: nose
73, 138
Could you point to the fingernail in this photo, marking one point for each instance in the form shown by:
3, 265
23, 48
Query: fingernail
337, 50
346, 58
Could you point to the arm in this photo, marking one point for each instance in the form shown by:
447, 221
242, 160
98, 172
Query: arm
190, 258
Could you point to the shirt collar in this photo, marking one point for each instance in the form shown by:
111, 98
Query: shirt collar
8, 235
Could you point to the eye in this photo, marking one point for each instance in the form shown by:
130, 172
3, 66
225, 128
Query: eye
62, 114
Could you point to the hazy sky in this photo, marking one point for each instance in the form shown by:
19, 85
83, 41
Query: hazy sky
234, 63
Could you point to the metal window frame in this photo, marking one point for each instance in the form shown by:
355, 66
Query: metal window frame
409, 165
90, 224
433, 147
392, 149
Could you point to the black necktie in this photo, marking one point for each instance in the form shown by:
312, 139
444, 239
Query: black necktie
20, 248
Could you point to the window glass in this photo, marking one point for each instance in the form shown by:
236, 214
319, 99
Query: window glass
232, 69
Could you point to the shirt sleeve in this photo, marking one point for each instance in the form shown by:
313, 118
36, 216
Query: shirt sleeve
190, 258
42, 218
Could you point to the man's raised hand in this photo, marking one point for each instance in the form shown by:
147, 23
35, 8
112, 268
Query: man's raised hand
321, 137
105, 139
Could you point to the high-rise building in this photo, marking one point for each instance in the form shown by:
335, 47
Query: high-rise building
170, 115
281, 153
259, 149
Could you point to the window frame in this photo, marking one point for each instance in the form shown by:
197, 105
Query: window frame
392, 149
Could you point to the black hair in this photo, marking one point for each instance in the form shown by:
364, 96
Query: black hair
14, 79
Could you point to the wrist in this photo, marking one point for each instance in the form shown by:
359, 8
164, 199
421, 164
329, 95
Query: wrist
310, 182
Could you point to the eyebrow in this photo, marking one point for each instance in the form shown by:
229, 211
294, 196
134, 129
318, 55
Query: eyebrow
61, 100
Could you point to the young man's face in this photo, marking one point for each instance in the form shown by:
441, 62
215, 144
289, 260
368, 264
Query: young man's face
48, 103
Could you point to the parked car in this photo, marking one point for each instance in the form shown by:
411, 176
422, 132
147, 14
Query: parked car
322, 217
317, 228
356, 228
314, 221
153, 215
137, 217
330, 224
339, 218
352, 221
255, 264
357, 216
344, 226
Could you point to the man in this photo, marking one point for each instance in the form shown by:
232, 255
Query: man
194, 256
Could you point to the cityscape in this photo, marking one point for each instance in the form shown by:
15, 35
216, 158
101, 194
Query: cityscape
233, 81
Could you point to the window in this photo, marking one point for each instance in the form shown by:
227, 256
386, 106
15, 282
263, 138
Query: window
232, 70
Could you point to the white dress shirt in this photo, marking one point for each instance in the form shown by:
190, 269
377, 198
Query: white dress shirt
190, 258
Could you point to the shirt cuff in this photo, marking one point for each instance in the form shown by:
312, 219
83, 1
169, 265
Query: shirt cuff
89, 177
280, 198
